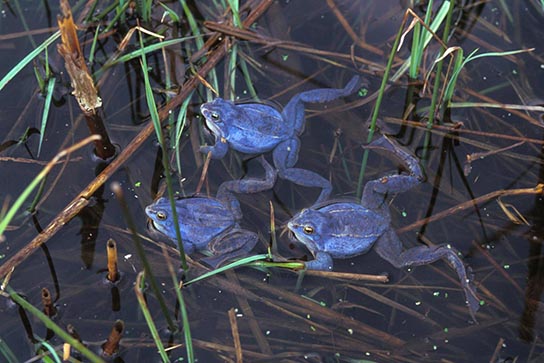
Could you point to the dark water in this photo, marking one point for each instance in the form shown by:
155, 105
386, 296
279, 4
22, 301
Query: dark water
418, 316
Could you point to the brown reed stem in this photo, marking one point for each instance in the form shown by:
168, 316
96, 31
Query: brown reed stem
111, 346
47, 303
113, 271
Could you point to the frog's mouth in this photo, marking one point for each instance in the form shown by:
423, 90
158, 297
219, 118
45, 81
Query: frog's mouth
151, 225
300, 238
208, 132
212, 127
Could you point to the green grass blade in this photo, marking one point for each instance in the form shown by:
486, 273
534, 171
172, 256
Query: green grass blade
142, 256
6, 352
418, 45
4, 221
186, 328
178, 131
473, 56
376, 110
40, 79
232, 71
145, 50
417, 51
195, 30
249, 81
19, 66
21, 15
139, 286
54, 356
437, 21
171, 13
457, 67
46, 107
158, 131
240, 262
54, 327
93, 45
184, 316
235, 8
437, 80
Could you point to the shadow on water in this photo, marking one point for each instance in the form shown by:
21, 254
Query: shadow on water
418, 316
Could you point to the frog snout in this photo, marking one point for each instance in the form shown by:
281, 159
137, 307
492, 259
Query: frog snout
286, 228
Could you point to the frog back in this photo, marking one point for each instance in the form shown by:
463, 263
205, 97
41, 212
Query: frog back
352, 229
201, 219
259, 129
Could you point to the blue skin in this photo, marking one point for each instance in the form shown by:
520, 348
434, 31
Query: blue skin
255, 128
348, 229
211, 224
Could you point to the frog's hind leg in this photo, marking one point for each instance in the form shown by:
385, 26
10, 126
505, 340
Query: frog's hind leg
294, 110
246, 186
393, 148
390, 248
375, 190
285, 157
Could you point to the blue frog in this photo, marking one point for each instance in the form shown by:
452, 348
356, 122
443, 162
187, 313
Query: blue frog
211, 224
344, 229
255, 128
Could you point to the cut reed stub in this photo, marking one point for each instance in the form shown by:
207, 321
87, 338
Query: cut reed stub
113, 271
111, 346
73, 332
49, 308
67, 351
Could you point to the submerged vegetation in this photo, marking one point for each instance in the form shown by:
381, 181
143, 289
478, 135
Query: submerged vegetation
448, 79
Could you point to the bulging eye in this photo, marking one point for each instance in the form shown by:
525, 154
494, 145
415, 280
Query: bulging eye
161, 216
308, 229
215, 116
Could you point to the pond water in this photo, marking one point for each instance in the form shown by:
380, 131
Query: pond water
418, 316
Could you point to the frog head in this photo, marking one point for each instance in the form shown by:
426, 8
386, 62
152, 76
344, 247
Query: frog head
219, 115
309, 227
160, 214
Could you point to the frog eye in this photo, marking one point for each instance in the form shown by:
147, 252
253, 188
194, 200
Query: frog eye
161, 216
215, 116
308, 229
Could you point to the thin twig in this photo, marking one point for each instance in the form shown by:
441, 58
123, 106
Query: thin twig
538, 189
235, 335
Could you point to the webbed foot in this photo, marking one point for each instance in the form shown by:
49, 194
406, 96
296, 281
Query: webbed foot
390, 248
294, 110
308, 178
285, 156
322, 95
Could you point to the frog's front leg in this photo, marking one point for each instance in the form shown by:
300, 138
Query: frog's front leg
231, 245
219, 150
322, 261
285, 157
294, 110
389, 247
